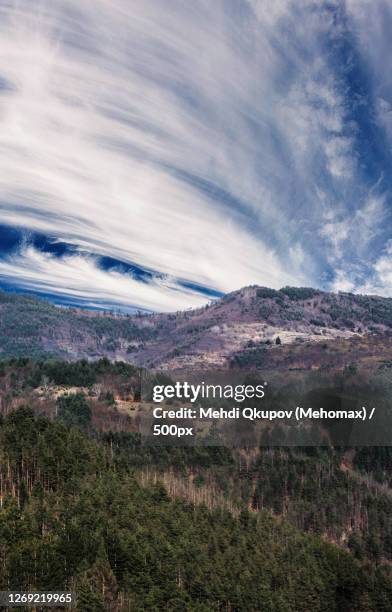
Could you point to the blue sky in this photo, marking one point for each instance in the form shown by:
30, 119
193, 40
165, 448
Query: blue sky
156, 154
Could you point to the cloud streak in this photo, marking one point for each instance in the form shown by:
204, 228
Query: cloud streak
205, 141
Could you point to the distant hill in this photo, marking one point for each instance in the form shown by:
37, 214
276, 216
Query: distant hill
254, 326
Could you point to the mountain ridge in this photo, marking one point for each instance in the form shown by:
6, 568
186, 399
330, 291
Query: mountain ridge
243, 322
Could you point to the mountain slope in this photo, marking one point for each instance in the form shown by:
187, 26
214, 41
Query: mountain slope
74, 517
241, 328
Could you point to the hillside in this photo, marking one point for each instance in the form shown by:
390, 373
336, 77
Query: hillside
205, 528
75, 516
241, 328
342, 494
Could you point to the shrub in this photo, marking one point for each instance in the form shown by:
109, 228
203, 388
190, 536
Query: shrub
265, 292
318, 322
299, 293
74, 410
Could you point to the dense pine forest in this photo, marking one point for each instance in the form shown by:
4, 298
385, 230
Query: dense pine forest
85, 505
74, 515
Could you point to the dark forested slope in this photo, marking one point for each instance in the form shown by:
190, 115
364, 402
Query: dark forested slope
73, 515
345, 495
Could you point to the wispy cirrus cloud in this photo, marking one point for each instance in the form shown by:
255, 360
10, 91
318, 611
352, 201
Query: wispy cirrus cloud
203, 142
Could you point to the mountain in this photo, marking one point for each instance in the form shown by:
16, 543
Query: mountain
87, 506
241, 329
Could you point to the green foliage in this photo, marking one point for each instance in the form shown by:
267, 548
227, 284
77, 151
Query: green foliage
350, 370
317, 322
265, 292
87, 524
309, 487
34, 327
265, 311
379, 309
299, 293
80, 373
280, 300
107, 397
294, 314
256, 357
376, 460
74, 410
111, 345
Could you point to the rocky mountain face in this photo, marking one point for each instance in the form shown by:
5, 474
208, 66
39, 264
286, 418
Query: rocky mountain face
293, 328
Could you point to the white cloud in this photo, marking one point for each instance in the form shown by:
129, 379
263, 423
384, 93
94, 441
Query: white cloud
78, 277
352, 235
187, 137
342, 282
379, 281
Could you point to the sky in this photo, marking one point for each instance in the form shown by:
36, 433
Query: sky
157, 154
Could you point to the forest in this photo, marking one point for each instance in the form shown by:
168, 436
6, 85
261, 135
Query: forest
74, 515
86, 505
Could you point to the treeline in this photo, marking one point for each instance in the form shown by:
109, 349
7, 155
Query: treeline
72, 515
35, 327
24, 373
